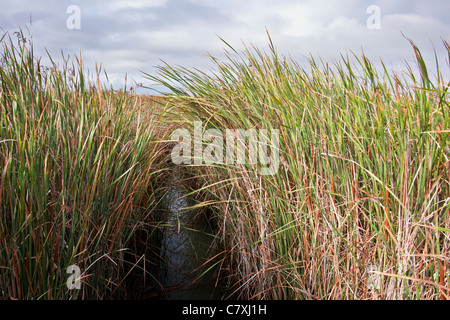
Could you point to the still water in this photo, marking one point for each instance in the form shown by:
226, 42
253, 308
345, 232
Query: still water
186, 242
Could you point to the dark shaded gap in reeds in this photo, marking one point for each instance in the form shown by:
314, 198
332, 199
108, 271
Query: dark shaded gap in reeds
188, 267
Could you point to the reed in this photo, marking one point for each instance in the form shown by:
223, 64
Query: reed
78, 166
359, 208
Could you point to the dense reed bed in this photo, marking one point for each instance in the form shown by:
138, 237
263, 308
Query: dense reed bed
78, 166
359, 206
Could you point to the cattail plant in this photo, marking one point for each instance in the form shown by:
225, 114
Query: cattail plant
359, 206
78, 164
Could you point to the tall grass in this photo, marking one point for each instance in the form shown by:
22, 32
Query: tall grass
362, 191
78, 165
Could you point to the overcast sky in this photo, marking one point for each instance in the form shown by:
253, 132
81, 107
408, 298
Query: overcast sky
127, 37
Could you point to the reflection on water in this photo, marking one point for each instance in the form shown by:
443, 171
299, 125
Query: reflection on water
185, 247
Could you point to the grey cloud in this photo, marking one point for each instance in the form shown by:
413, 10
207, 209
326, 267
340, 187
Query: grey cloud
131, 38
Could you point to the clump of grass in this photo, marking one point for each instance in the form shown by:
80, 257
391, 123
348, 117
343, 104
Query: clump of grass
363, 182
78, 165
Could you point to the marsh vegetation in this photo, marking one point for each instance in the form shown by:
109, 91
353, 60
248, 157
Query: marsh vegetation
361, 193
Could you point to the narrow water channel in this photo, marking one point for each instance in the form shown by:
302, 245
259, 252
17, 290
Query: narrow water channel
185, 248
